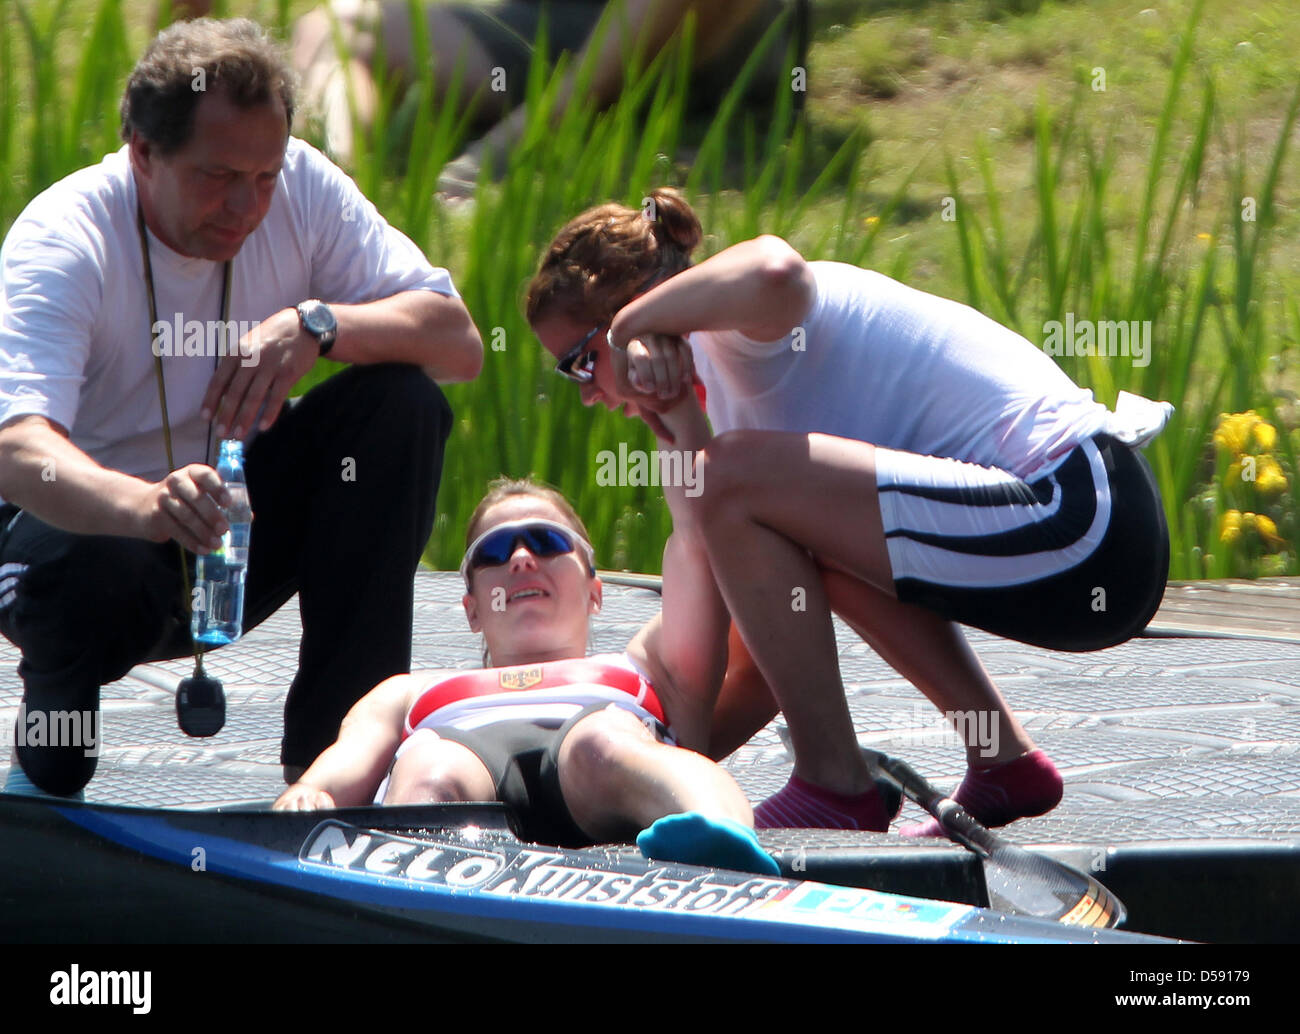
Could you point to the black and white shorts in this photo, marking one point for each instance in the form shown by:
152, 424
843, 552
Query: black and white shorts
1075, 559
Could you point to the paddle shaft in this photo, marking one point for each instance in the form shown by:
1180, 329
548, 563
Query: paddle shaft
1008, 869
951, 815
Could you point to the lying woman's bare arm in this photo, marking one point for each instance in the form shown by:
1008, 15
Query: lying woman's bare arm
349, 771
685, 647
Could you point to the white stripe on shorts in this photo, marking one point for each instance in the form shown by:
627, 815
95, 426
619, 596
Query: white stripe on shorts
904, 512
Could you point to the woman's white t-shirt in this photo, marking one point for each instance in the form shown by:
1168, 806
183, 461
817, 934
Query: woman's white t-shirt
880, 362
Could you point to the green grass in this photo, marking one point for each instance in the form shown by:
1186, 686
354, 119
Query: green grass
1115, 204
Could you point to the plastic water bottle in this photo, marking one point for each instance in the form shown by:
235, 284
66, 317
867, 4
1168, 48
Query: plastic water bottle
217, 613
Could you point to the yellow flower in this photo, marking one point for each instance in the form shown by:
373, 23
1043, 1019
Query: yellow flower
1204, 236
1270, 477
1230, 527
1230, 435
1235, 431
1268, 531
871, 220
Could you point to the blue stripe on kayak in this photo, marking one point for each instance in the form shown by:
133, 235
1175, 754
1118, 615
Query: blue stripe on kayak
820, 913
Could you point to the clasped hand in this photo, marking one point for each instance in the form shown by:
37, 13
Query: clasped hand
257, 378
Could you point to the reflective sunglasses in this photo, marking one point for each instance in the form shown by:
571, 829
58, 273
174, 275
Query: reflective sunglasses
542, 538
578, 364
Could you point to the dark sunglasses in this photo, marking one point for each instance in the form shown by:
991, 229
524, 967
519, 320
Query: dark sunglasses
542, 538
578, 364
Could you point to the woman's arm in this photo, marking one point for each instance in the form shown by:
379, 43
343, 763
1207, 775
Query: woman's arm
715, 696
761, 288
349, 771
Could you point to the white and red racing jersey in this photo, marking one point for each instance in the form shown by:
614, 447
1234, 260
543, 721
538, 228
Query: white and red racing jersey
549, 694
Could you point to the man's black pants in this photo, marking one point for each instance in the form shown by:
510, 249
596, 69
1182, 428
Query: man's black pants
343, 488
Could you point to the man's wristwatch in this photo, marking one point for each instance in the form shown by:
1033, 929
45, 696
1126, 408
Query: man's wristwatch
318, 320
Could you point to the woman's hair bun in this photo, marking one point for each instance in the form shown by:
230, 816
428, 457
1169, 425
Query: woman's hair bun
599, 259
676, 223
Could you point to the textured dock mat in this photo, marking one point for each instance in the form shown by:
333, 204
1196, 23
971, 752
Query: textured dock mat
1158, 739
1168, 742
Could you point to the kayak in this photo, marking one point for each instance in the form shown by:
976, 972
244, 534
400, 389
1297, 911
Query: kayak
71, 871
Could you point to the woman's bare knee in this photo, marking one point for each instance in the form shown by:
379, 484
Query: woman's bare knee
601, 741
437, 771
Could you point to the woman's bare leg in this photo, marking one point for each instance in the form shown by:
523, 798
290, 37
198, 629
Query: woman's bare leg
948, 672
459, 62
771, 503
617, 779
931, 653
745, 704
436, 771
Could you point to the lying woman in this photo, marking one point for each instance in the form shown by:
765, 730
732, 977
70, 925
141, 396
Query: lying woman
896, 458
581, 747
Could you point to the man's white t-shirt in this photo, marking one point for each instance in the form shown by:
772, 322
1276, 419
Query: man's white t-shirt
75, 337
880, 362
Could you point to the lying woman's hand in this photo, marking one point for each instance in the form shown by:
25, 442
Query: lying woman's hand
681, 424
654, 422
654, 369
301, 797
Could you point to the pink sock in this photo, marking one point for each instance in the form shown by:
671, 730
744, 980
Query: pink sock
802, 805
1028, 785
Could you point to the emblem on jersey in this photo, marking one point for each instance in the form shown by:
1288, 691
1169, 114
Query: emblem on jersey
520, 678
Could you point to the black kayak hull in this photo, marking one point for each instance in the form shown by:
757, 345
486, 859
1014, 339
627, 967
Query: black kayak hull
85, 873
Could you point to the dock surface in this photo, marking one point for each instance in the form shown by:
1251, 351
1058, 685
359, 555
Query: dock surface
1189, 733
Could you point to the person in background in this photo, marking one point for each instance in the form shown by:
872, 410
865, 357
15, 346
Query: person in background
487, 49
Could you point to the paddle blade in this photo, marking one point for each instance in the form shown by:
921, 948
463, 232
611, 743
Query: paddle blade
1028, 884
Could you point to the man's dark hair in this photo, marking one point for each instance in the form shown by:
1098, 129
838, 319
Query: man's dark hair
189, 58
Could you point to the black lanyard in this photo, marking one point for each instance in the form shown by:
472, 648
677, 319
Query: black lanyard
153, 322
162, 390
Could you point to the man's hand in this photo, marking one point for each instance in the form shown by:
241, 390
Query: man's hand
301, 797
271, 358
186, 505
